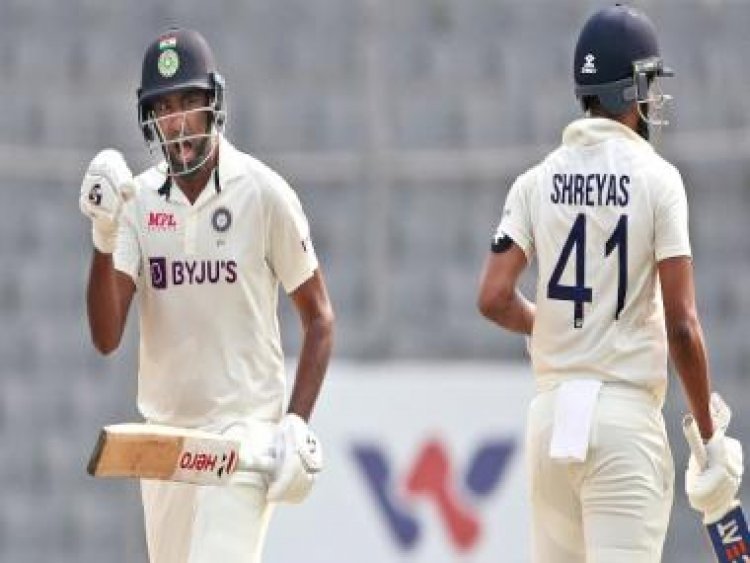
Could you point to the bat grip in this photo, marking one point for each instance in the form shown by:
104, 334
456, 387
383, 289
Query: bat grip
694, 440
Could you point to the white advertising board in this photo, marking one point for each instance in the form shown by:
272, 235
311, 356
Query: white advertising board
424, 464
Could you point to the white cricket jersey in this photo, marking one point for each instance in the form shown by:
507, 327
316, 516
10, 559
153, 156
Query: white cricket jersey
599, 213
207, 280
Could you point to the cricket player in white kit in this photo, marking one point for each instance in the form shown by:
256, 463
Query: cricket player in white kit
607, 220
204, 238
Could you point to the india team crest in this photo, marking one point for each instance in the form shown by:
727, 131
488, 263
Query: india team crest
168, 63
221, 220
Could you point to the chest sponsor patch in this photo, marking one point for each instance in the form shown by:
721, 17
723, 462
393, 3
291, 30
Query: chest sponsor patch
170, 273
161, 221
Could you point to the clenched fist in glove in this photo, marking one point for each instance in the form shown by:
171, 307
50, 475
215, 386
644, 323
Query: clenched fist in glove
106, 186
300, 459
713, 488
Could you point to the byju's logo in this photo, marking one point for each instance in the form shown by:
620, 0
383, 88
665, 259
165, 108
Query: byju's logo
191, 272
431, 477
158, 267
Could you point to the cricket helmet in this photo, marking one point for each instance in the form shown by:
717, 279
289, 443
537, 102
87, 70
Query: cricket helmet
179, 60
617, 61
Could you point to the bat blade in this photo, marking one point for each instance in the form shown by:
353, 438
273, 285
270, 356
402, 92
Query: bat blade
152, 451
729, 537
729, 534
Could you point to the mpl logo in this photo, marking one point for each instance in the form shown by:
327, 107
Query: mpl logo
160, 221
432, 478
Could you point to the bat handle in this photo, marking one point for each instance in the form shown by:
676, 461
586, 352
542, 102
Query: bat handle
694, 440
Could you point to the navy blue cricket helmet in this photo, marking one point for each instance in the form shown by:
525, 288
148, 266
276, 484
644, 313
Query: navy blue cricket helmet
177, 60
616, 59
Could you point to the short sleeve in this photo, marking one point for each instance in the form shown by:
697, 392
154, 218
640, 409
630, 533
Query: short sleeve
515, 222
127, 254
291, 254
671, 219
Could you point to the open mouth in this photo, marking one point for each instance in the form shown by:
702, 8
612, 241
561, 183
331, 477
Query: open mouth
184, 151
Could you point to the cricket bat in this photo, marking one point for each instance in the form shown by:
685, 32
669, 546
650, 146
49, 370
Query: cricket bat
154, 451
729, 535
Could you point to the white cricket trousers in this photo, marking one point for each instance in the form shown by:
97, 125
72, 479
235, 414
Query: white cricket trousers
203, 524
210, 524
614, 507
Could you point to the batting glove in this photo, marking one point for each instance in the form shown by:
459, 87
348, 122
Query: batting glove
713, 490
106, 186
299, 460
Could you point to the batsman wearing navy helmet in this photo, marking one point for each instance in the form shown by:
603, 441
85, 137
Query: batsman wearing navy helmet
204, 238
607, 220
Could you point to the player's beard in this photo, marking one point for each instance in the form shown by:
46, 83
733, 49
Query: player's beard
643, 128
180, 167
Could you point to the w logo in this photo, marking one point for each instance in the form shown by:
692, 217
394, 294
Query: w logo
432, 478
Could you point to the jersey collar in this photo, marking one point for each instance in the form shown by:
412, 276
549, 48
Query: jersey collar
230, 161
594, 130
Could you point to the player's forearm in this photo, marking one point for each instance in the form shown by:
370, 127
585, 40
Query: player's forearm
688, 353
513, 312
106, 320
313, 361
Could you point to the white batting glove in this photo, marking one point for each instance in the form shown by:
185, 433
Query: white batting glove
300, 459
106, 186
713, 490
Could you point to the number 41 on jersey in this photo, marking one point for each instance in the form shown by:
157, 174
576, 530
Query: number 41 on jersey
579, 293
